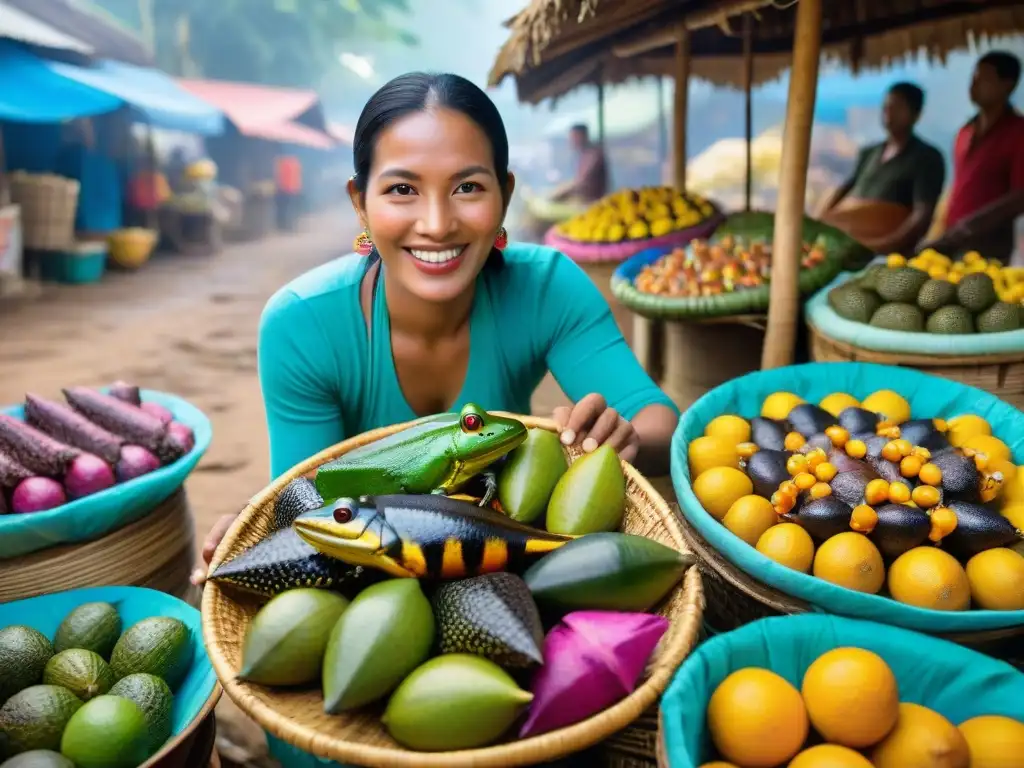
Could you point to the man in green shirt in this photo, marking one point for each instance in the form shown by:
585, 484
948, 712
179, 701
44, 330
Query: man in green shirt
888, 202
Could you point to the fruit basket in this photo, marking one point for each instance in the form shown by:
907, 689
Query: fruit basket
957, 321
745, 582
358, 736
73, 624
956, 683
131, 248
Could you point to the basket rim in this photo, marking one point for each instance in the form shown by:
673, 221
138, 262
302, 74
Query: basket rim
520, 752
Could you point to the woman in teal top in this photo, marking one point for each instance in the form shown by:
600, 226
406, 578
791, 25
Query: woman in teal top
439, 312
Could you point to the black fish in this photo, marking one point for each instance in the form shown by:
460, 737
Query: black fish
283, 561
297, 498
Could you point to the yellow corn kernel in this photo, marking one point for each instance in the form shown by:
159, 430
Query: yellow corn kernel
921, 452
825, 471
796, 464
856, 449
789, 488
864, 519
941, 425
891, 451
910, 466
904, 447
838, 435
794, 441
930, 474
943, 523
804, 481
746, 450
816, 457
899, 493
926, 496
820, 490
876, 492
782, 503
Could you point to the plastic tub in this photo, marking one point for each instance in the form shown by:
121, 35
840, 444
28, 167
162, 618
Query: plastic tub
84, 263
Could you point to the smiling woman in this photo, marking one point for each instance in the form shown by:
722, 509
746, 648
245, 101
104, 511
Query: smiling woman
437, 310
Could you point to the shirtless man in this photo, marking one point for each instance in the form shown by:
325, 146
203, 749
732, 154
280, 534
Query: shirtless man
591, 181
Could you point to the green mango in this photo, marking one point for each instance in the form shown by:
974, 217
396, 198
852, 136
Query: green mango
607, 572
591, 495
285, 642
454, 701
530, 475
384, 635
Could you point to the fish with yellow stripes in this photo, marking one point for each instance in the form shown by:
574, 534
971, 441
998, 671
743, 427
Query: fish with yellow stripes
429, 536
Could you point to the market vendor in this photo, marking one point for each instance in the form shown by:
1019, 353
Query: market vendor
438, 309
591, 180
888, 202
987, 194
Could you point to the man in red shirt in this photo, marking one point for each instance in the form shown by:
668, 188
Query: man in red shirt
988, 166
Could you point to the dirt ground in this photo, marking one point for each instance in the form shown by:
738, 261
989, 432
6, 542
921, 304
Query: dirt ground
185, 325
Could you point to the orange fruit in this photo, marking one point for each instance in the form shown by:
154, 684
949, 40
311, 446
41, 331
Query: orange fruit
736, 429
929, 577
719, 487
838, 402
995, 741
850, 560
707, 452
851, 696
788, 544
757, 719
892, 405
922, 738
829, 756
959, 428
994, 448
718, 764
749, 517
1015, 514
996, 577
778, 405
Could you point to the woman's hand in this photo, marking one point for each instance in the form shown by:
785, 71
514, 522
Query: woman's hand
591, 423
213, 539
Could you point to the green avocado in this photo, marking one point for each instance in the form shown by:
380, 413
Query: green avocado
34, 718
158, 645
24, 652
92, 626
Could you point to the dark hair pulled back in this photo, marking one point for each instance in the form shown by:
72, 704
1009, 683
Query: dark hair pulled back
418, 91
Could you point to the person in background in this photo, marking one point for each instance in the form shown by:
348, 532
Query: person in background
100, 197
288, 173
176, 165
591, 181
888, 202
987, 194
147, 191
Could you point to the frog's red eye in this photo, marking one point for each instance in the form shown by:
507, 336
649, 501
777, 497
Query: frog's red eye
342, 515
471, 422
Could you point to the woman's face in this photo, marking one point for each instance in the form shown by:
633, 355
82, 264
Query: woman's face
433, 204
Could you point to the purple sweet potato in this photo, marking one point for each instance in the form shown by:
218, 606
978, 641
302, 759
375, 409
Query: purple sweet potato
165, 416
129, 393
133, 424
88, 474
37, 494
179, 441
135, 461
11, 471
37, 452
62, 423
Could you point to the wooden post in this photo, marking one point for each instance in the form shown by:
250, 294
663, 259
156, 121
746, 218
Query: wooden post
784, 306
679, 117
662, 128
748, 87
600, 112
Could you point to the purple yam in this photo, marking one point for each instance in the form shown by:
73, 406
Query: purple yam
135, 461
88, 474
11, 471
126, 392
165, 416
179, 441
62, 423
36, 451
127, 421
37, 494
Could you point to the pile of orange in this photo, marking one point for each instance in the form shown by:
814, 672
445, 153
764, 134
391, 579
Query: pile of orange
847, 714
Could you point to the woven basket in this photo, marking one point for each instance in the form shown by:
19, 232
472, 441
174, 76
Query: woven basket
697, 357
48, 206
1002, 375
620, 251
156, 552
298, 718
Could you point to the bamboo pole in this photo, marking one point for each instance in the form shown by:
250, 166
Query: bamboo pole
748, 87
682, 92
784, 306
600, 112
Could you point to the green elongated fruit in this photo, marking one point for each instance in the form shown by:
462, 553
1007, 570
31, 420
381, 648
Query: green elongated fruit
82, 672
590, 497
607, 571
530, 475
24, 652
93, 626
38, 758
151, 695
385, 634
455, 701
285, 642
107, 732
35, 718
158, 645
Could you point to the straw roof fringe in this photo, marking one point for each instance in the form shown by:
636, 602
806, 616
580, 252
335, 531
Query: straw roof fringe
859, 35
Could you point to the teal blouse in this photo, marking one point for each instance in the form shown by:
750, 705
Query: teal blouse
325, 377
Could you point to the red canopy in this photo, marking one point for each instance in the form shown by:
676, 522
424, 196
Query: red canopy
262, 111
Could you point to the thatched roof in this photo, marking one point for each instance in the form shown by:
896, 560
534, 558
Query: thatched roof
556, 45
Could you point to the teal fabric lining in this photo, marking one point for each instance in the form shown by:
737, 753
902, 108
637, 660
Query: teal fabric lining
929, 396
956, 682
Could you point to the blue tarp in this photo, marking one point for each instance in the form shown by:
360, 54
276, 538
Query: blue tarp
152, 95
34, 93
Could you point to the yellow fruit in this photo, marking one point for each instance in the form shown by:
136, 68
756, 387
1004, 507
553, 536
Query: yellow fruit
788, 544
719, 487
1015, 514
892, 405
718, 764
1013, 489
996, 577
896, 260
851, 696
850, 560
930, 578
838, 402
922, 738
829, 756
757, 719
994, 448
749, 517
728, 427
995, 741
707, 452
778, 405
